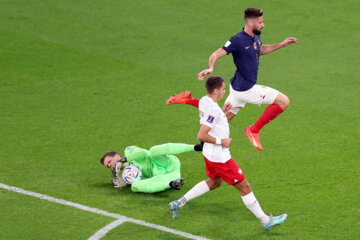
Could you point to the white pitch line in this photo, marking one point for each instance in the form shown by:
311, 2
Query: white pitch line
102, 232
120, 218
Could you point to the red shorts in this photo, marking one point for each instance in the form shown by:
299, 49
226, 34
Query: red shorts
230, 172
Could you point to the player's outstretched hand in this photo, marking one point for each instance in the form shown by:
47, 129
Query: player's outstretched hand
204, 73
116, 169
117, 180
225, 142
227, 107
289, 41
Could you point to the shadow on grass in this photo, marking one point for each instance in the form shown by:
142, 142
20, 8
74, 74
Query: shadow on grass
100, 185
127, 191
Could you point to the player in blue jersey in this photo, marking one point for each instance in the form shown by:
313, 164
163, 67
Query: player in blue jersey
246, 48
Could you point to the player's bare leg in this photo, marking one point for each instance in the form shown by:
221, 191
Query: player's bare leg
230, 116
244, 187
214, 183
282, 100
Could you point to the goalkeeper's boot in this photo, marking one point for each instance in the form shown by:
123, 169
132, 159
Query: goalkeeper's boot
174, 209
179, 98
254, 138
274, 221
177, 184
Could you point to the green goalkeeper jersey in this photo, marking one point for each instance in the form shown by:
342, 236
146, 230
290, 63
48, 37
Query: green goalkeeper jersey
157, 160
141, 158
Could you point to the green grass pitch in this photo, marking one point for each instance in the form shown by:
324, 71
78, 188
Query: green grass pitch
79, 78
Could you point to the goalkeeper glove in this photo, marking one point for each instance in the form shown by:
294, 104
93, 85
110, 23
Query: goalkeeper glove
117, 180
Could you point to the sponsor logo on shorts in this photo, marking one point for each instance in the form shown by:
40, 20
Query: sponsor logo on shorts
247, 47
210, 119
240, 171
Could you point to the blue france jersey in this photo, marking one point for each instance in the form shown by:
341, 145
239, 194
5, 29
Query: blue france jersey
246, 51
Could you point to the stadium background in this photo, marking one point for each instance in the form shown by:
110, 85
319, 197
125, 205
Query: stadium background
80, 78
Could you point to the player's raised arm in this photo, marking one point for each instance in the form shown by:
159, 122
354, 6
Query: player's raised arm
270, 48
212, 60
204, 136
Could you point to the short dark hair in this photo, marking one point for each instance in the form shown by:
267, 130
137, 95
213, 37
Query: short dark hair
252, 13
110, 154
213, 82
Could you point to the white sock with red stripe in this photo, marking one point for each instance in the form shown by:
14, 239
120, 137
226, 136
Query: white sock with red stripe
198, 190
253, 205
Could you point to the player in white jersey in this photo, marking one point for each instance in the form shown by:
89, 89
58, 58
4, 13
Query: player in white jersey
220, 166
212, 115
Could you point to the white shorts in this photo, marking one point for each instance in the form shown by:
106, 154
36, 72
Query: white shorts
258, 95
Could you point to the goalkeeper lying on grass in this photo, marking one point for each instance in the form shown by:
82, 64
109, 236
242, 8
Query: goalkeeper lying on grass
160, 168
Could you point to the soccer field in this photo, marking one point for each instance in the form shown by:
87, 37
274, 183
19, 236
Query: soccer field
80, 78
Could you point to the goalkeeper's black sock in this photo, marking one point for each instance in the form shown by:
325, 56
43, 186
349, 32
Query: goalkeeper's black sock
199, 147
177, 184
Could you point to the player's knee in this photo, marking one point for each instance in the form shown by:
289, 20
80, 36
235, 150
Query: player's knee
286, 101
247, 188
213, 184
244, 187
283, 101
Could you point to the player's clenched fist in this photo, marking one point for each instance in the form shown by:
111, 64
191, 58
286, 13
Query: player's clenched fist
225, 142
